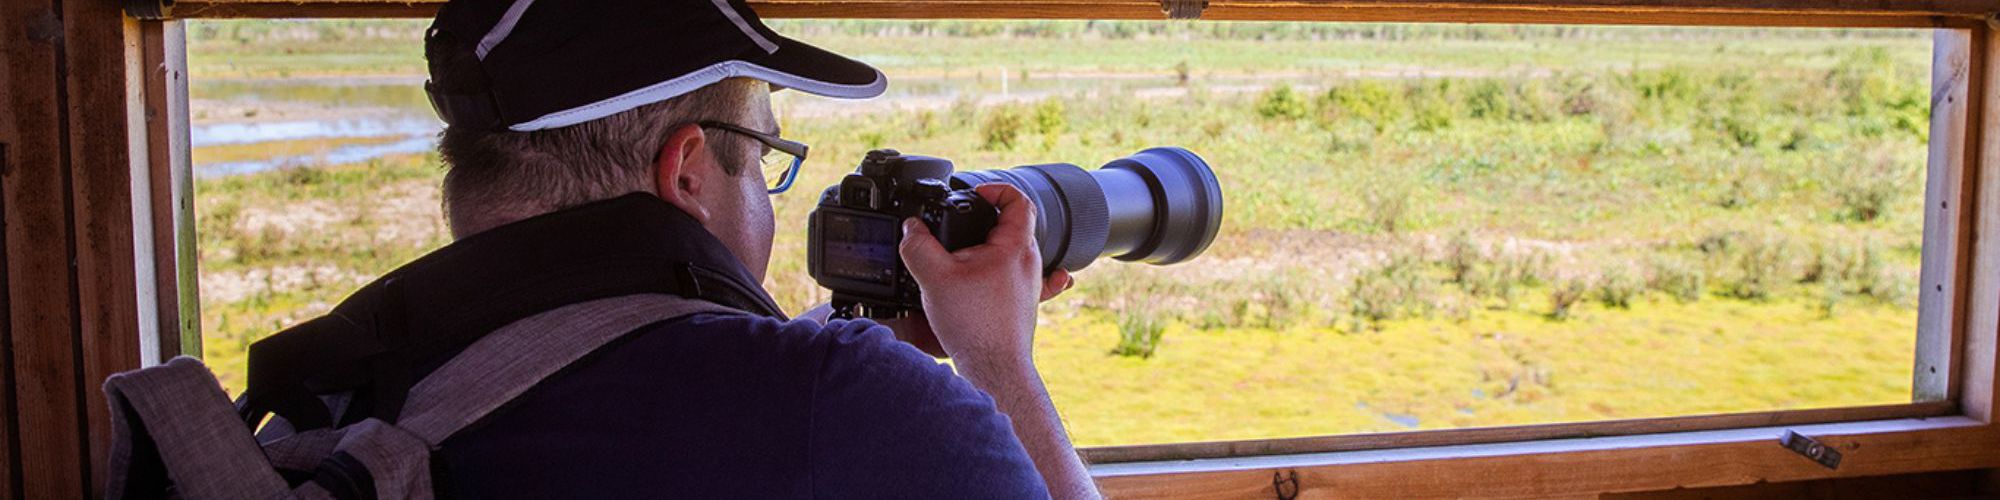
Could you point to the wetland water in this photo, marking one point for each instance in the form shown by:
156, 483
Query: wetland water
340, 121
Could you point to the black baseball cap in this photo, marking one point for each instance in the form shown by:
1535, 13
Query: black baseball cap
525, 65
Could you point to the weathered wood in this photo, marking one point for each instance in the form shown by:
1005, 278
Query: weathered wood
1950, 13
1388, 440
10, 141
1573, 468
41, 309
1982, 331
166, 193
101, 51
1940, 294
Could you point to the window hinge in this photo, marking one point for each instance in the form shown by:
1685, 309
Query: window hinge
149, 10
1811, 448
1183, 9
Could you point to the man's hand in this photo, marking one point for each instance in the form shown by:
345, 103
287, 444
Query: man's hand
981, 301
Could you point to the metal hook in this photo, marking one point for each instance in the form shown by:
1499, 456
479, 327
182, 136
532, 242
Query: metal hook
1286, 484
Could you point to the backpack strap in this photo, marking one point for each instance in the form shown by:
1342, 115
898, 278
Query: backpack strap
172, 425
508, 362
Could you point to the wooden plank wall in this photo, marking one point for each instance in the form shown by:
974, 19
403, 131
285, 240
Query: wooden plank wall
69, 302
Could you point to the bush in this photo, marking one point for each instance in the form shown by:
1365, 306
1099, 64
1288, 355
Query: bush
1387, 206
1872, 280
1370, 101
1461, 258
1003, 127
1563, 297
1507, 274
1760, 266
1489, 100
1677, 279
1050, 121
1398, 289
1432, 106
1281, 303
1615, 288
1139, 333
1281, 103
1867, 187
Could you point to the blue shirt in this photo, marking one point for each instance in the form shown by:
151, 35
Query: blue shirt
737, 406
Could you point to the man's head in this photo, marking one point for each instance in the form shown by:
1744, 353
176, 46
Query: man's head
550, 105
498, 177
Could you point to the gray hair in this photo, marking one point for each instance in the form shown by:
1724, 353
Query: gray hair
493, 178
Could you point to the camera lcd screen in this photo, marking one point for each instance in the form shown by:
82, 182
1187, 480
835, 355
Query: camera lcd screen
860, 248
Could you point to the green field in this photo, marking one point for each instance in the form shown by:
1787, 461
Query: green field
1427, 227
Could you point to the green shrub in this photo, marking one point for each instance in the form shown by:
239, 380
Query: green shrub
1507, 273
1461, 258
1489, 100
1431, 105
1003, 127
1371, 101
1677, 279
1051, 121
1866, 187
1281, 303
1615, 288
220, 220
1829, 263
1139, 334
1832, 294
1281, 103
1564, 296
1388, 205
1395, 290
1871, 279
1760, 266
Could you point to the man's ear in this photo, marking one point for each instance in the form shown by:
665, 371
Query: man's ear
680, 169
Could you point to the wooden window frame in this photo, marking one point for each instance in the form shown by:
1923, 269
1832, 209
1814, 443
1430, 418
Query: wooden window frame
1952, 427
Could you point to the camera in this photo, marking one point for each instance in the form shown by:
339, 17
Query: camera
1159, 206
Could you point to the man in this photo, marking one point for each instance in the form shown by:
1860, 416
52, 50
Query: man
599, 148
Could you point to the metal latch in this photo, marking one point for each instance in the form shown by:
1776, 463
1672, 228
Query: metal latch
149, 10
1811, 448
1183, 9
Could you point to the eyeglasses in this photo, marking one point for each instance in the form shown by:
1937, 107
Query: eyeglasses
781, 157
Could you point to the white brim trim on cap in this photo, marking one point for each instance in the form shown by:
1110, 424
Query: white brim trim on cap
700, 78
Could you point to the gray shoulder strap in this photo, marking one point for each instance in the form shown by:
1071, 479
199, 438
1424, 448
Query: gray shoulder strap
509, 361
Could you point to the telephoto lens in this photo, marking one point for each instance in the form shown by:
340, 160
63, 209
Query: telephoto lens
1159, 206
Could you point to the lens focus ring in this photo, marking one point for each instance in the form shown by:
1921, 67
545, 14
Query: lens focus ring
1088, 218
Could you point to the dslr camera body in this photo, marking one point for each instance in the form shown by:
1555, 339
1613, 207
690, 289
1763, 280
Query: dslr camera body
1159, 206
856, 232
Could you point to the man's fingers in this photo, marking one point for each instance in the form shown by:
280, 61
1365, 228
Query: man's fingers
1056, 284
920, 250
1017, 212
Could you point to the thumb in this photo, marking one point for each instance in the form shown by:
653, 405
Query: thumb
921, 251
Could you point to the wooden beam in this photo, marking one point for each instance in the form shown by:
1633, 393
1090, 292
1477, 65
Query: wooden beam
104, 97
167, 198
1941, 288
1982, 343
12, 74
1841, 13
41, 308
1519, 433
1572, 468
